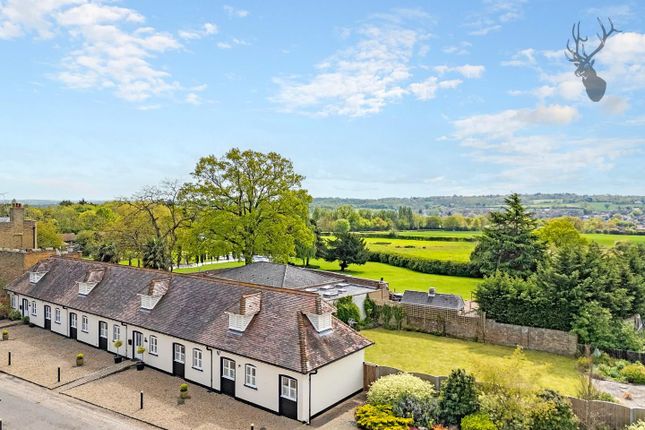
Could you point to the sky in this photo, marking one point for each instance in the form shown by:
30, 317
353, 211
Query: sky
367, 98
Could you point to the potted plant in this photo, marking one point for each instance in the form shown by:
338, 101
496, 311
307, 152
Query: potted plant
79, 359
117, 344
5, 334
25, 319
183, 391
140, 350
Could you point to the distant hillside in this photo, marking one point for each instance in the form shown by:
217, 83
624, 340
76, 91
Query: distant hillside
543, 205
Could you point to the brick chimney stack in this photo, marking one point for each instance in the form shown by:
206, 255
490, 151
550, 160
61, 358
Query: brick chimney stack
17, 214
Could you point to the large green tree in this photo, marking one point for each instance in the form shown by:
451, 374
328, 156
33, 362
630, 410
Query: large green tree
509, 243
348, 249
254, 202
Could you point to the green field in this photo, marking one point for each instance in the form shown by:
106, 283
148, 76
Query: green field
431, 250
213, 266
611, 239
400, 279
424, 353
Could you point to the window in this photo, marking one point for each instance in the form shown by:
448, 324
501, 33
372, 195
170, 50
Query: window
33, 309
288, 388
14, 301
228, 369
84, 324
153, 345
249, 375
72, 320
116, 332
180, 353
197, 358
48, 313
57, 315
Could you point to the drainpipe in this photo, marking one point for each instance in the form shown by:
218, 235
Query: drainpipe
211, 351
126, 340
315, 372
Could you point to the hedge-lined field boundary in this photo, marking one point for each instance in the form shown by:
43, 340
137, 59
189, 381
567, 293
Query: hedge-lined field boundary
435, 267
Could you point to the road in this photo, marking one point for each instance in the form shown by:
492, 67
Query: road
27, 406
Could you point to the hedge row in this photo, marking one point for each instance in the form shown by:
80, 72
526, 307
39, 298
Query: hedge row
424, 238
435, 267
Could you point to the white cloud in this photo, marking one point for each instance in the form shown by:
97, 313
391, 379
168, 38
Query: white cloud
461, 48
494, 15
614, 105
232, 43
207, 29
522, 58
359, 80
467, 70
234, 12
530, 148
114, 49
427, 89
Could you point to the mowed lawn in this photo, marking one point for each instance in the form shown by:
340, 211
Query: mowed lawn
436, 355
430, 250
400, 279
611, 239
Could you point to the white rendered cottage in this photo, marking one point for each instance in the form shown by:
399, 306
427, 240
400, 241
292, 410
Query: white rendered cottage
275, 348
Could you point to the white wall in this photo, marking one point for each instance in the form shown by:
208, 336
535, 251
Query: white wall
332, 383
359, 301
336, 381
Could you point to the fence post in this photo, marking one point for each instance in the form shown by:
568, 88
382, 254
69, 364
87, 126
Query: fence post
141, 400
58, 378
9, 361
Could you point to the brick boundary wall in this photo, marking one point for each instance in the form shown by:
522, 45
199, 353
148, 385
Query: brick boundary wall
591, 412
478, 328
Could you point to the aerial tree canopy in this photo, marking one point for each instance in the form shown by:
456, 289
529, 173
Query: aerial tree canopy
509, 243
253, 202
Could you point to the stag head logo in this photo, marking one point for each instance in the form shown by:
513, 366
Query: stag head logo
594, 85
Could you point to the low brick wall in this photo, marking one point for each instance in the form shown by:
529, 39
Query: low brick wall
478, 328
592, 413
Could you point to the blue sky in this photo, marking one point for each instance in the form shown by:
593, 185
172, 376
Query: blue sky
368, 98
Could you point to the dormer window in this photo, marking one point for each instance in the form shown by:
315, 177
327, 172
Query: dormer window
92, 279
320, 319
250, 305
157, 288
34, 277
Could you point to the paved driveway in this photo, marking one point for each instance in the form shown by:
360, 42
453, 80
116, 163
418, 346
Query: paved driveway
26, 406
36, 354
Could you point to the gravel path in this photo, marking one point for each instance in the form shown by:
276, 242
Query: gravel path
37, 353
618, 390
204, 410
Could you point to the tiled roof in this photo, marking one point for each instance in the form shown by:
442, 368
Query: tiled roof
276, 275
443, 301
194, 307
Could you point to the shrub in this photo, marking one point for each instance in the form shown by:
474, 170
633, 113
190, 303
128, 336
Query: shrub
4, 310
634, 373
380, 417
183, 388
422, 411
389, 389
5, 332
14, 315
25, 319
583, 363
437, 267
346, 309
458, 397
478, 421
590, 392
386, 313
640, 425
80, 356
141, 349
551, 411
370, 308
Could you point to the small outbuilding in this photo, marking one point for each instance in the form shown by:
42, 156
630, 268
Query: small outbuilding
434, 300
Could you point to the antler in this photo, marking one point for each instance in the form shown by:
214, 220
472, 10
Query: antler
579, 57
603, 39
575, 56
